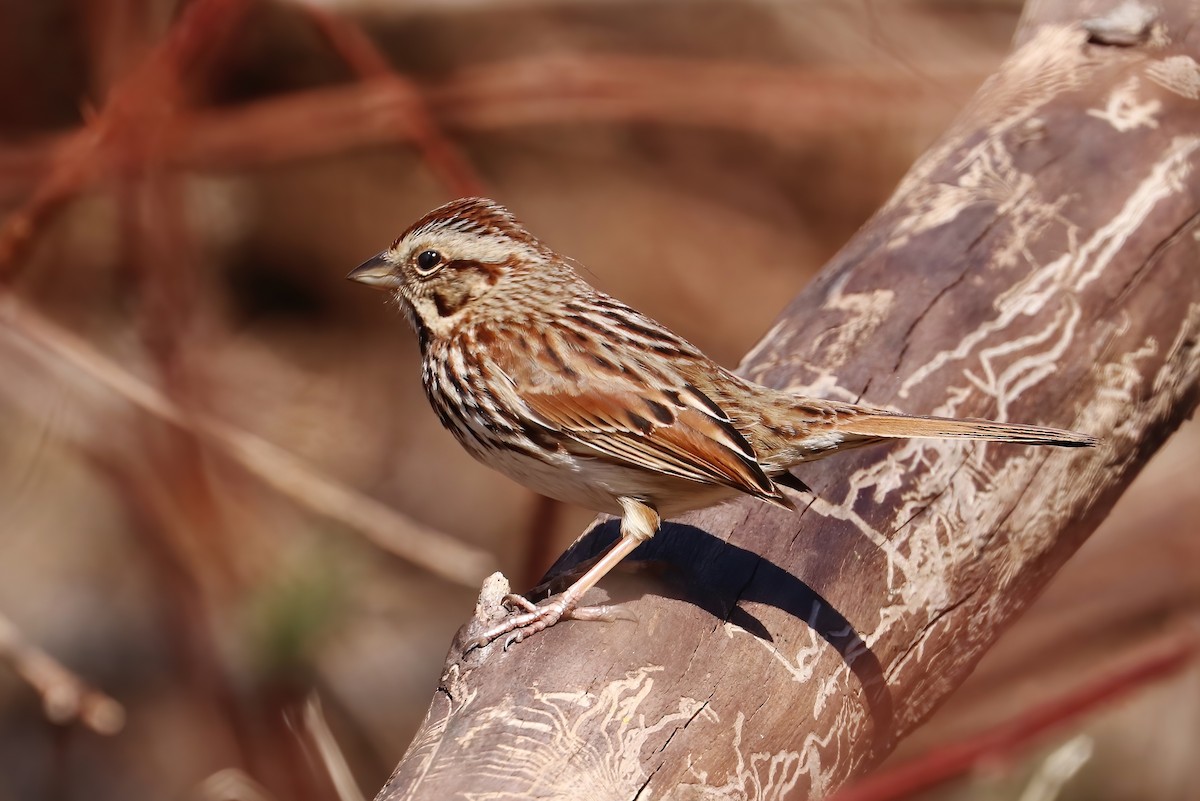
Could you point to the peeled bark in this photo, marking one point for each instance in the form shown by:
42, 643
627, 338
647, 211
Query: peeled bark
1038, 265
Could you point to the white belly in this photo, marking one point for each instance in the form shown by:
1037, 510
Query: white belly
597, 484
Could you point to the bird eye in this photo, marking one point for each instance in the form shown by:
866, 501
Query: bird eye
428, 260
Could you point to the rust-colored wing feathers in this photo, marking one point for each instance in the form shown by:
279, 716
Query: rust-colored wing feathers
679, 441
674, 428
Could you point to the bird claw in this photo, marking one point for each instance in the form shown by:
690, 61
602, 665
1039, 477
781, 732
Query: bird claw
514, 601
538, 617
518, 626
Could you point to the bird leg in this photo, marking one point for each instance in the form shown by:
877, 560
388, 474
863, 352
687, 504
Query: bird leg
639, 521
560, 581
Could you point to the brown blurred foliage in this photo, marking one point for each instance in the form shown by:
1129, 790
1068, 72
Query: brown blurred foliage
200, 417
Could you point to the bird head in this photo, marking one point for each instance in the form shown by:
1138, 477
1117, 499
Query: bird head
448, 262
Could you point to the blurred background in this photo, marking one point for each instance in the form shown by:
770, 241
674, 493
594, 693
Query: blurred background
235, 542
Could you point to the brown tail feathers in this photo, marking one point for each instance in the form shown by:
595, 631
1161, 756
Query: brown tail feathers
886, 425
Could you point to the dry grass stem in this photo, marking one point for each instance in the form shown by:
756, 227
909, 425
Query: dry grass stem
330, 752
231, 784
65, 697
432, 550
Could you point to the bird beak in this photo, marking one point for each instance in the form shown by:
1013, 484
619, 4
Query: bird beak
376, 272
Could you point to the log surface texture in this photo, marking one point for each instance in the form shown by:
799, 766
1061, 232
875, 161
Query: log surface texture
1038, 265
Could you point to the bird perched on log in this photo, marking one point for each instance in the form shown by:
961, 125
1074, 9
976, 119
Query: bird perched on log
584, 399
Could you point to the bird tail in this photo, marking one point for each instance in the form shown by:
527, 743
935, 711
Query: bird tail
793, 429
884, 425
797, 430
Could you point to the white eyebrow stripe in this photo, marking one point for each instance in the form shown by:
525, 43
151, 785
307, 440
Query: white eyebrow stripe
455, 245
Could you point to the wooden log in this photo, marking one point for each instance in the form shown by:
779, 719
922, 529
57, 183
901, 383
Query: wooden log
1038, 265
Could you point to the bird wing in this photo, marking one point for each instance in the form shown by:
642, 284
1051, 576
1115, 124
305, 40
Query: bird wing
611, 411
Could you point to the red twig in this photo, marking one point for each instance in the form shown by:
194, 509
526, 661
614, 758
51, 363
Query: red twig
1004, 740
448, 163
75, 164
526, 92
151, 90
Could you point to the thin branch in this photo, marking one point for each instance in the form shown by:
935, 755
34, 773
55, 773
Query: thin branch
93, 151
535, 91
1158, 662
413, 117
65, 697
330, 752
753, 98
289, 475
231, 784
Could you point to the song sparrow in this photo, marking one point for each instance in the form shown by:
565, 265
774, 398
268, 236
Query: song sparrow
579, 397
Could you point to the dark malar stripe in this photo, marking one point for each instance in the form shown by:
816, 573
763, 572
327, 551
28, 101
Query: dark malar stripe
446, 305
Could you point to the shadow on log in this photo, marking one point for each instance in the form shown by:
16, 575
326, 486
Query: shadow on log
1038, 265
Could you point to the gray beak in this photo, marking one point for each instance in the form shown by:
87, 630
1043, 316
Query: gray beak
376, 272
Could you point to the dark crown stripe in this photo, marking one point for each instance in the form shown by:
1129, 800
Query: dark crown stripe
475, 215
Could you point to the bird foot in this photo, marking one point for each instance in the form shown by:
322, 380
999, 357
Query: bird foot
538, 617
